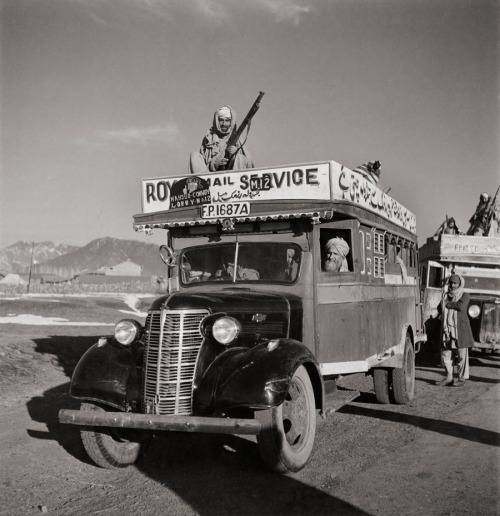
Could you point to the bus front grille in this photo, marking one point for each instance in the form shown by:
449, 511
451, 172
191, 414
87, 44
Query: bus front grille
490, 323
173, 341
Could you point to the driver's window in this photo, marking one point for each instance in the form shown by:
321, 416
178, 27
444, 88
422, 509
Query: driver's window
209, 263
270, 262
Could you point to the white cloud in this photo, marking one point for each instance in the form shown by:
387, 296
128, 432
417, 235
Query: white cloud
220, 11
214, 10
141, 135
285, 10
211, 10
217, 12
166, 134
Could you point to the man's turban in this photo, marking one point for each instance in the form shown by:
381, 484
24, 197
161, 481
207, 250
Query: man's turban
224, 111
339, 245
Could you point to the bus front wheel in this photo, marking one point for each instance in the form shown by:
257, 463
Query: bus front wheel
287, 436
111, 447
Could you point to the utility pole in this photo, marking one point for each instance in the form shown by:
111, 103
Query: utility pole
31, 265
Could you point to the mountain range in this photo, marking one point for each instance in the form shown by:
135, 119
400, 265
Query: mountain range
102, 252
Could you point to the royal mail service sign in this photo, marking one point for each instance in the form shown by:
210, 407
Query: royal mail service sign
230, 194
304, 182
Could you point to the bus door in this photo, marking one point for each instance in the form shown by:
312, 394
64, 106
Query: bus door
419, 304
433, 277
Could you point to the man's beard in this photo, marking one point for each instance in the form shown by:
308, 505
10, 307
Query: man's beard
332, 265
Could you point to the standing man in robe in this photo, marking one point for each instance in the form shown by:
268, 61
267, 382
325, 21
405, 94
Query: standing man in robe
456, 334
212, 154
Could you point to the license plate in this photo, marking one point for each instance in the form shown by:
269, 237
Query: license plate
225, 209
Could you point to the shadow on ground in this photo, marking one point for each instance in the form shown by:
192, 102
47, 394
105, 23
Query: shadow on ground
459, 430
66, 349
224, 475
44, 409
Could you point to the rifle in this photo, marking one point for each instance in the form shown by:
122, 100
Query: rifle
237, 132
488, 213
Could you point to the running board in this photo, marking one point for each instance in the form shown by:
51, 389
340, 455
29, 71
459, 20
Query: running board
337, 399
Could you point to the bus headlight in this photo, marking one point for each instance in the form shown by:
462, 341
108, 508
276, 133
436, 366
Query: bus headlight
127, 331
474, 311
226, 330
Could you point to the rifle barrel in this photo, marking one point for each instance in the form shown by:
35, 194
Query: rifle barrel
233, 139
236, 134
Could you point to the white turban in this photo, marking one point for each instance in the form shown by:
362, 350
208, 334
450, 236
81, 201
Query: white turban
339, 244
224, 111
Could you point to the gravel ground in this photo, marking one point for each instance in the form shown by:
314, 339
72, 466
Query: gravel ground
435, 456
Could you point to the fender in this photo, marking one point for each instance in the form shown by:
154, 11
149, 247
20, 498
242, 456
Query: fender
109, 373
393, 357
256, 377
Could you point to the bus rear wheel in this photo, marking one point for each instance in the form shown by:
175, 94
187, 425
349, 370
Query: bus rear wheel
287, 436
403, 378
382, 385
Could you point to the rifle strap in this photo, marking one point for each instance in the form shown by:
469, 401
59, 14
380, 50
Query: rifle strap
246, 135
239, 146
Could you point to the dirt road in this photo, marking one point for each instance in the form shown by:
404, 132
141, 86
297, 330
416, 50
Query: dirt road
436, 456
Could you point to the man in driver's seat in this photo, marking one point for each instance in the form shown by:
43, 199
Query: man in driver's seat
242, 273
188, 275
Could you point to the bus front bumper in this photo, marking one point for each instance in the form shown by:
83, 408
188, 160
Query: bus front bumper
158, 422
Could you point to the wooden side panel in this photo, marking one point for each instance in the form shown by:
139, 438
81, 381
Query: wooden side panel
351, 330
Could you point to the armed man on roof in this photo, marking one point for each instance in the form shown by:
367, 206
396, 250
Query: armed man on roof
484, 222
221, 148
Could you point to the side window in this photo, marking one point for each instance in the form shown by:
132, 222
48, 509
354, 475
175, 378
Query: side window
390, 250
412, 257
379, 255
406, 257
395, 253
423, 277
336, 250
435, 277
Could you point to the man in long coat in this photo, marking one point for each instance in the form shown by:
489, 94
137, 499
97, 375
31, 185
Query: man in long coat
456, 333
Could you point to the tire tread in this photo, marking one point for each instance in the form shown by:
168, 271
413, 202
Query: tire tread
403, 395
103, 449
273, 448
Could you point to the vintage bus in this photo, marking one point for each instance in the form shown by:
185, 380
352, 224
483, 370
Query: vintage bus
259, 321
477, 259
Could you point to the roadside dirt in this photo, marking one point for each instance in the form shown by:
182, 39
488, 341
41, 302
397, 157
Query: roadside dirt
436, 456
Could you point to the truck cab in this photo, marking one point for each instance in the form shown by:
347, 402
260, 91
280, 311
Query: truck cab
477, 260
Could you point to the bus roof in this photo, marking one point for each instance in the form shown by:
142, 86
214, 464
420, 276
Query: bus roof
461, 249
310, 190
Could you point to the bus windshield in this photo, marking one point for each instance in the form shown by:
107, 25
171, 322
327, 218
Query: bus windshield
262, 262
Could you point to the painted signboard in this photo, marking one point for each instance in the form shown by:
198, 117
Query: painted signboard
353, 187
295, 182
462, 245
230, 194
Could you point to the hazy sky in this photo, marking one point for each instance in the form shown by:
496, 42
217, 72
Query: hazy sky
97, 94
